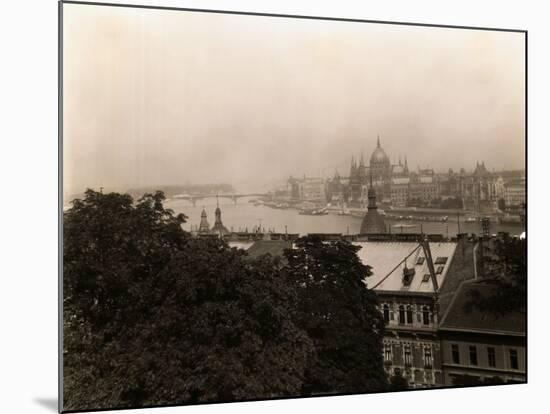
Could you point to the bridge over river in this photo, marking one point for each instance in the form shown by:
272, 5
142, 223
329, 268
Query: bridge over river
232, 196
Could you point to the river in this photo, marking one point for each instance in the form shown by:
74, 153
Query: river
245, 216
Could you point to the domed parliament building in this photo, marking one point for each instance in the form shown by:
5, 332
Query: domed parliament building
396, 185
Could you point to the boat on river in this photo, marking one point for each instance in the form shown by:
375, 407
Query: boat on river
313, 212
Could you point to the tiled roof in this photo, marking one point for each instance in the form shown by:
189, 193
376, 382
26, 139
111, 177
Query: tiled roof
460, 316
385, 256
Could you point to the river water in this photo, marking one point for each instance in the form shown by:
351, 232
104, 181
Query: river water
245, 216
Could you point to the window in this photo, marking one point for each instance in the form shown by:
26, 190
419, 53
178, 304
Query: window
409, 315
386, 313
408, 355
439, 270
420, 261
427, 357
491, 357
514, 359
426, 277
455, 353
401, 314
387, 353
440, 261
473, 355
425, 315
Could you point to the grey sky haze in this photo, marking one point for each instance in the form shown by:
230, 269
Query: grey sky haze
169, 97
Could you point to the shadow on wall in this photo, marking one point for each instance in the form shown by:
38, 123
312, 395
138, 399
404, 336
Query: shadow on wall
49, 403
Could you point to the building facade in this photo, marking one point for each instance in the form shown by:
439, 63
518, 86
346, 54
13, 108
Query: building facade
431, 338
481, 348
396, 185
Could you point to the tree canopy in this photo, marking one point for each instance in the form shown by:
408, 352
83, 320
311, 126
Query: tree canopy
504, 267
153, 316
340, 316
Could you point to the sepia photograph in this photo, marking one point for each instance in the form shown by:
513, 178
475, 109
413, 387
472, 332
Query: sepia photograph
260, 206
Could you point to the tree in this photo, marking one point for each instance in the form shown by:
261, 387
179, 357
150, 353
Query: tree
153, 316
111, 248
504, 268
340, 316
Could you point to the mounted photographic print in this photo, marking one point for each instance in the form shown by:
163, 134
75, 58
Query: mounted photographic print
262, 206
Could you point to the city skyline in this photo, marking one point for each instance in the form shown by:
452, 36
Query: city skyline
145, 106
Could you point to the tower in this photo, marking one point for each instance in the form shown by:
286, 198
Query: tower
218, 227
204, 227
373, 222
355, 182
380, 169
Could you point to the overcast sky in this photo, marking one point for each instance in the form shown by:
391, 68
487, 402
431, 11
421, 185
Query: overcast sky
157, 97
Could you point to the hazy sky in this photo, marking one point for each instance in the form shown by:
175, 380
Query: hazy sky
169, 97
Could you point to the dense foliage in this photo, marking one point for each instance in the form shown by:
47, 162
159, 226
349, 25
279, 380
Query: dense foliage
153, 316
504, 266
340, 316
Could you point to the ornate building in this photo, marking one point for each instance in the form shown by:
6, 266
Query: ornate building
379, 169
396, 185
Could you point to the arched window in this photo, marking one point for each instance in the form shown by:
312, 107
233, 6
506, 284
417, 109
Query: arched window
426, 315
409, 314
386, 313
401, 314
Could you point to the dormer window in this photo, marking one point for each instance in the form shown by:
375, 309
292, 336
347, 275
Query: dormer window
420, 261
439, 270
426, 278
440, 261
408, 275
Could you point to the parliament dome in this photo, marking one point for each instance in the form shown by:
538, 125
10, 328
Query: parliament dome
379, 155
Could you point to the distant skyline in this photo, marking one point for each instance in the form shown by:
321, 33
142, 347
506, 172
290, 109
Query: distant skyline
157, 97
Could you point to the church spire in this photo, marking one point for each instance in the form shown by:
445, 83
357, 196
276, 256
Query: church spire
218, 227
204, 227
371, 195
378, 141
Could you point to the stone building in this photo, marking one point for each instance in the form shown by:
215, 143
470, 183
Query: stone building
431, 339
408, 301
478, 190
515, 194
481, 347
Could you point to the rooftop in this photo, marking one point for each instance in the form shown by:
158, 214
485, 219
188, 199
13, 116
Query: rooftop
385, 258
461, 317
